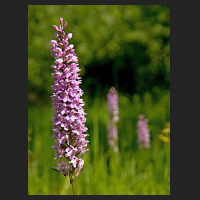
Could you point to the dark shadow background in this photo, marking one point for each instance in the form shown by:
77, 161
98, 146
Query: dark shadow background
125, 46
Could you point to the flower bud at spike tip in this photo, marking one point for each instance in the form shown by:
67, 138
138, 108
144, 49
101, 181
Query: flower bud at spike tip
55, 27
64, 26
69, 36
61, 20
69, 116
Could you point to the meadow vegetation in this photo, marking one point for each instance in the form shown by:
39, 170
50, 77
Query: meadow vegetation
131, 171
124, 46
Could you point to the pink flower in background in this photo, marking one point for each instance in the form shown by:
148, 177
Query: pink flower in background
69, 116
143, 132
113, 111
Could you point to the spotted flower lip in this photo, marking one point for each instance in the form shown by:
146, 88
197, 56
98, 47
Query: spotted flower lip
113, 111
69, 116
143, 132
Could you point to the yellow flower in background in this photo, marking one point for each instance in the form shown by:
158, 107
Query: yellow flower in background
165, 131
163, 138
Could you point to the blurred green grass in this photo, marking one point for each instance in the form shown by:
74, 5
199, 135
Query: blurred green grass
132, 171
125, 46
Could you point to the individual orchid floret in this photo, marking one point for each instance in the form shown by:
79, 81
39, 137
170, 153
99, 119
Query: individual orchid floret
113, 111
69, 116
143, 132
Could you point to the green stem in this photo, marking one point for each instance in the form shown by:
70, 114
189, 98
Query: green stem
74, 187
